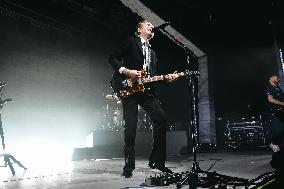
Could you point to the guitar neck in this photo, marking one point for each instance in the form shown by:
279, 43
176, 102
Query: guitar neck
159, 78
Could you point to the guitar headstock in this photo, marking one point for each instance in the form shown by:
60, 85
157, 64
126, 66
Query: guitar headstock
192, 73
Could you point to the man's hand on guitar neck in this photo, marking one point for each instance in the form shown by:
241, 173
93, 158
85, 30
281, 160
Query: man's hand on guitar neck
131, 74
172, 77
275, 101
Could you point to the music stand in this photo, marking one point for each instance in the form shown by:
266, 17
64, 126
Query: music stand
7, 157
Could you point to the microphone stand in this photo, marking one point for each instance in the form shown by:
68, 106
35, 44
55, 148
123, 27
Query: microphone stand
7, 157
192, 177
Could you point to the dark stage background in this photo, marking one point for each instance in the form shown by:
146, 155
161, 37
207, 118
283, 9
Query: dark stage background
54, 58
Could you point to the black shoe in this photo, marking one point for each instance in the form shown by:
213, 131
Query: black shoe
127, 173
162, 168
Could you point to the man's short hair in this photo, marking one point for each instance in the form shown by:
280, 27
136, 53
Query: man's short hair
273, 75
139, 25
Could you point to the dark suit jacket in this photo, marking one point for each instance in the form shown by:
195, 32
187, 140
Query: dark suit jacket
130, 55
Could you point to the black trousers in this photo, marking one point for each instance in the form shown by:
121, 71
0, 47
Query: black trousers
280, 137
130, 114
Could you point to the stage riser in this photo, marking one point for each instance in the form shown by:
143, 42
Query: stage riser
108, 144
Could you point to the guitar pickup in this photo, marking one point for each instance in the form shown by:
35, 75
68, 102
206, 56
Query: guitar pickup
127, 83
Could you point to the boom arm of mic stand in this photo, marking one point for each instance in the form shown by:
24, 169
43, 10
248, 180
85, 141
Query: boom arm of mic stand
179, 43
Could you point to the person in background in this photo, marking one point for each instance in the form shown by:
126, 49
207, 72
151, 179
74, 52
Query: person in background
275, 97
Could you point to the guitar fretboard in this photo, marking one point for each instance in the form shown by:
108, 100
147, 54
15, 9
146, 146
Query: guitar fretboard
159, 78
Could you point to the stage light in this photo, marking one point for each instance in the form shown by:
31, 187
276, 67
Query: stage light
44, 156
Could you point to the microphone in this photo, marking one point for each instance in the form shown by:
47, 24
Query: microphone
162, 26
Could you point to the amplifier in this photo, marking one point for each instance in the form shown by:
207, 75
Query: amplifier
243, 135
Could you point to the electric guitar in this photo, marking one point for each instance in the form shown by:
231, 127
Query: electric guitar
278, 108
124, 88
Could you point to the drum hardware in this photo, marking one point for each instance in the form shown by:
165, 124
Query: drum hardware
113, 116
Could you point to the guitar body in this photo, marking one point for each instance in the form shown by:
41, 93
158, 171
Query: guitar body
130, 91
116, 82
124, 88
279, 110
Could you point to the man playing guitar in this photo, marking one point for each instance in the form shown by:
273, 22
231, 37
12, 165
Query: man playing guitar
136, 54
275, 97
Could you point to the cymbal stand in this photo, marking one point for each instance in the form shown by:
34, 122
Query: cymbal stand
7, 157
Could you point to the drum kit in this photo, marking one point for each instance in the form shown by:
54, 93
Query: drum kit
113, 115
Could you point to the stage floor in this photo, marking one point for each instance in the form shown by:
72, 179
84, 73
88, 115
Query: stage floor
106, 173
